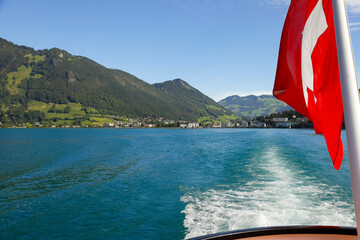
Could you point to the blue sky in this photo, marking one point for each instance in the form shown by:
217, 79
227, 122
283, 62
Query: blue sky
221, 47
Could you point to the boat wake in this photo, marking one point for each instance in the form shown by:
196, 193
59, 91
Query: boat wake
278, 194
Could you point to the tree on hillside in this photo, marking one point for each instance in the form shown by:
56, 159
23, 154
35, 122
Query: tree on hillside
16, 114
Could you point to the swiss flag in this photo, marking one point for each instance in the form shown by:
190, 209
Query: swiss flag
307, 76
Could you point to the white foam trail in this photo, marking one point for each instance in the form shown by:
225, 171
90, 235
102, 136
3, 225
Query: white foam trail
280, 197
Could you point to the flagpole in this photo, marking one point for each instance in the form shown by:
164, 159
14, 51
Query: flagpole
350, 94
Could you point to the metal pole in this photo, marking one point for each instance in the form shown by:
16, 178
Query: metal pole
350, 94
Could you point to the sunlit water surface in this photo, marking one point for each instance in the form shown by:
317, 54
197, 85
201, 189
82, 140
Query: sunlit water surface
166, 183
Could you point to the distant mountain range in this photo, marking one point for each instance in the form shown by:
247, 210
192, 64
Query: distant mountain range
55, 76
252, 106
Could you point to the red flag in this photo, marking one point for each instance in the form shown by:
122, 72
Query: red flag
307, 76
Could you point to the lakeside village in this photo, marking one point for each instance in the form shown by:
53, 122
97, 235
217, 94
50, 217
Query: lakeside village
74, 115
260, 122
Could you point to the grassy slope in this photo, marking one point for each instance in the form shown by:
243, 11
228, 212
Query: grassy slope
76, 111
15, 78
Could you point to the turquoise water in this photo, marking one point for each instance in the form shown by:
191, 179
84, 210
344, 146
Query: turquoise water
165, 183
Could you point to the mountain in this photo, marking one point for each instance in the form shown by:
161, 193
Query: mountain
190, 100
252, 106
29, 76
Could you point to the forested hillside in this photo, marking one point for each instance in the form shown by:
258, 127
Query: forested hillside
253, 106
36, 80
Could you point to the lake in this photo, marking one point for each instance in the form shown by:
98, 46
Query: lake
166, 183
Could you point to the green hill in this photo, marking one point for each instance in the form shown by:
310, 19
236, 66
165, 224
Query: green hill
29, 78
191, 101
252, 106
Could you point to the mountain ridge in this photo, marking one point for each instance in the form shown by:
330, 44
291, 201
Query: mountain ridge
56, 76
